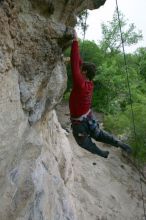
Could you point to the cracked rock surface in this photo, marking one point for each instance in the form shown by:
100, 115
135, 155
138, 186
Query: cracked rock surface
44, 175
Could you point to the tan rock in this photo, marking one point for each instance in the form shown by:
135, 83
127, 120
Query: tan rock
43, 175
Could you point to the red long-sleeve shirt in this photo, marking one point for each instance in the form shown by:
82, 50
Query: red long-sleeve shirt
81, 94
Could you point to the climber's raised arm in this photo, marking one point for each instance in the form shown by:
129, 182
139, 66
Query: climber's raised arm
76, 62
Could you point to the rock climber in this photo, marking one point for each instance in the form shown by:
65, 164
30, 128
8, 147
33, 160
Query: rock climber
84, 124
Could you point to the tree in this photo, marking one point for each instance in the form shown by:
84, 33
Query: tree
82, 22
141, 61
122, 124
111, 41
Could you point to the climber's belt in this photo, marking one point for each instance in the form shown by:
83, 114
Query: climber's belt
82, 117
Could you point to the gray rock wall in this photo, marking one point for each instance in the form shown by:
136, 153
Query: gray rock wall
32, 37
36, 175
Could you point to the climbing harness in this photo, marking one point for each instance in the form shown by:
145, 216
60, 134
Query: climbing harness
130, 96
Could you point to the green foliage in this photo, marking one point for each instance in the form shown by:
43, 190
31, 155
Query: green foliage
141, 61
111, 40
66, 96
90, 52
122, 124
117, 123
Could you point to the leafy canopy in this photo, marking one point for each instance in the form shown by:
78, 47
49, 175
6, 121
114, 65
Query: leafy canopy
111, 36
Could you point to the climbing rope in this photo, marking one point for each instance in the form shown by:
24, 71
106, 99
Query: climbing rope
130, 96
85, 25
84, 33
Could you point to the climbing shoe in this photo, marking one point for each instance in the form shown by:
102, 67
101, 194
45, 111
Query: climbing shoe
103, 153
126, 148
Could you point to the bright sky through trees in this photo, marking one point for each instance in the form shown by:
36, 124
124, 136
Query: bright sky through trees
133, 10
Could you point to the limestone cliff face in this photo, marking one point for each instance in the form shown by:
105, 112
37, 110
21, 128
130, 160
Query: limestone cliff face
44, 175
33, 34
36, 172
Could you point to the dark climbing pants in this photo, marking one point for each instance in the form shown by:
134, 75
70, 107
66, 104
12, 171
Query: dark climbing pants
88, 128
